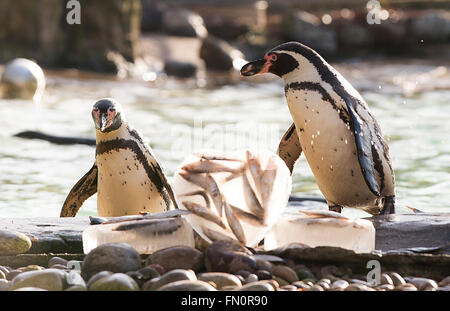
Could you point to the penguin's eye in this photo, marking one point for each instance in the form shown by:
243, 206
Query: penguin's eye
273, 57
95, 109
112, 109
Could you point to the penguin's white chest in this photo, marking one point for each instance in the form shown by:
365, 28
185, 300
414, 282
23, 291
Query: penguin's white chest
329, 147
124, 187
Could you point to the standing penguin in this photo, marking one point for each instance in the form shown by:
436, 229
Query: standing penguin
125, 173
334, 127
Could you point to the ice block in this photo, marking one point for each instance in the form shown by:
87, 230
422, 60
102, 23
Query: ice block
145, 235
319, 228
236, 195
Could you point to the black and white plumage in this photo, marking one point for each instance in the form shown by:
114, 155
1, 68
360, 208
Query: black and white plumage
334, 127
126, 174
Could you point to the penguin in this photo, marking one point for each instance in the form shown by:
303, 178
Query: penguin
335, 129
126, 175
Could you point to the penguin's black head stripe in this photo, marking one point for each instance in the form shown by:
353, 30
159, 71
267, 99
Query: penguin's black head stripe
103, 104
109, 109
283, 64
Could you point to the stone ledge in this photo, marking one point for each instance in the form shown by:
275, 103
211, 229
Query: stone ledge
393, 232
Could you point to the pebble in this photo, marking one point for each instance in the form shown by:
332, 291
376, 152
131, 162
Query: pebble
98, 276
229, 256
49, 279
241, 278
257, 286
149, 273
114, 257
13, 243
29, 289
160, 269
385, 287
187, 285
12, 274
423, 283
114, 282
304, 273
386, 279
263, 275
396, 278
331, 270
285, 273
280, 281
76, 288
243, 273
290, 288
170, 277
251, 278
316, 288
301, 284
57, 261
31, 268
357, 287
221, 279
5, 270
4, 285
339, 285
58, 266
405, 287
177, 257
445, 282
325, 285
264, 265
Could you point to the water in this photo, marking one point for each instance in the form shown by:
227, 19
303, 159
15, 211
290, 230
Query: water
177, 119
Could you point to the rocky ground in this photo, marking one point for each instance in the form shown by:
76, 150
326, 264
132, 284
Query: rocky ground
412, 254
224, 265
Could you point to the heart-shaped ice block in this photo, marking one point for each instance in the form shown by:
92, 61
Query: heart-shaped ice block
236, 195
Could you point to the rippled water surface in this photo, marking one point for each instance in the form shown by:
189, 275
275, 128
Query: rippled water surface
177, 119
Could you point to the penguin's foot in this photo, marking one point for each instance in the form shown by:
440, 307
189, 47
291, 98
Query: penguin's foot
335, 208
389, 206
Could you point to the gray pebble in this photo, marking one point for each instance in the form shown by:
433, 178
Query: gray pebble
251, 278
263, 275
115, 282
114, 257
264, 265
445, 282
286, 273
339, 285
221, 279
257, 286
57, 260
290, 288
187, 285
98, 276
423, 283
316, 288
386, 279
12, 274
4, 285
405, 287
396, 278
170, 277
49, 279
385, 287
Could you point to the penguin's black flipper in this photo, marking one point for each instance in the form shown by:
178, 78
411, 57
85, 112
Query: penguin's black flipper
165, 183
290, 149
364, 138
83, 189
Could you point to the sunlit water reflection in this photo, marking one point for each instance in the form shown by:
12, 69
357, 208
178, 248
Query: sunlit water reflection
35, 176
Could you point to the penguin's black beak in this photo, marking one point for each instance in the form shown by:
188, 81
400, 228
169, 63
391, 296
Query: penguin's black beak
259, 66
